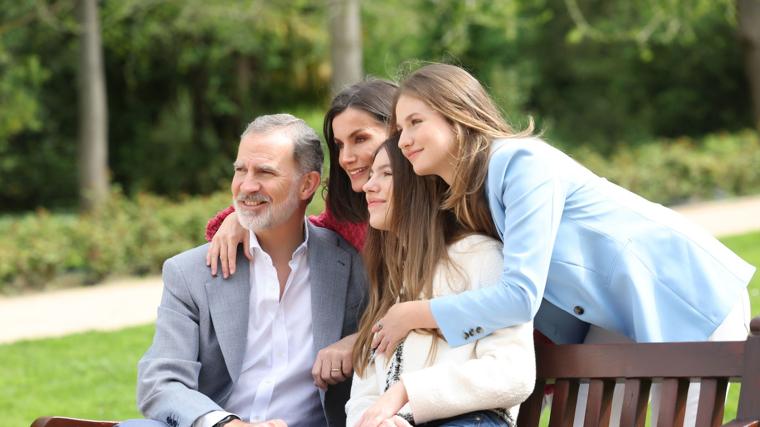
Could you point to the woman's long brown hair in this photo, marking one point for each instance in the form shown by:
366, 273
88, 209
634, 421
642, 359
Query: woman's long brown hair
476, 121
402, 261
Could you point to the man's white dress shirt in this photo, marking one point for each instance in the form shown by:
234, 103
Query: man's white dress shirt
275, 380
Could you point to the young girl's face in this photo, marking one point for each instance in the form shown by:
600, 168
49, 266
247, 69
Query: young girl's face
379, 191
357, 135
427, 139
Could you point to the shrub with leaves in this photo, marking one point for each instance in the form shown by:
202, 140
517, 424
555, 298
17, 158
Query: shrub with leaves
135, 235
128, 236
683, 169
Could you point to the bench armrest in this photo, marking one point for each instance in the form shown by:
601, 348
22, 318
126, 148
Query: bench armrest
70, 422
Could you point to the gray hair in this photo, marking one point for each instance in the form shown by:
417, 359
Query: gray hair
307, 150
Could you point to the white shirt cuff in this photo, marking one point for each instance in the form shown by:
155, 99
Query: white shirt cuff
210, 418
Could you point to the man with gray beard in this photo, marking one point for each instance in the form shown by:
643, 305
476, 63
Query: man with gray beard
239, 351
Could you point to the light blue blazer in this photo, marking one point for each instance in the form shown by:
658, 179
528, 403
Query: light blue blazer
594, 253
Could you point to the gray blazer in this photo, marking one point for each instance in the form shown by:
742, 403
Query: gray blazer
202, 326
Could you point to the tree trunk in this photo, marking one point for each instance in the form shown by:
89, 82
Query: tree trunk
93, 111
345, 43
749, 32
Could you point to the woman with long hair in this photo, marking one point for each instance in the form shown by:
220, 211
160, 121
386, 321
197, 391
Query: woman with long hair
417, 251
587, 259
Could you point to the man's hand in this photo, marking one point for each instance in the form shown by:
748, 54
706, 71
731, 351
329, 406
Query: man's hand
334, 363
383, 411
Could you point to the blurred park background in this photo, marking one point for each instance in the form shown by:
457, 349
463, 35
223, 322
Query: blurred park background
118, 126
120, 119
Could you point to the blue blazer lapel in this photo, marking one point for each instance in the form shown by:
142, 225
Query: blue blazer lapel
329, 271
228, 303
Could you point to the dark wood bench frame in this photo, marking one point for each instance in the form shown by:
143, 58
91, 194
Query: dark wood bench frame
637, 365
715, 364
70, 422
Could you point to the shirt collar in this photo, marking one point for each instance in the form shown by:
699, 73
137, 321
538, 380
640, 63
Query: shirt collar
254, 243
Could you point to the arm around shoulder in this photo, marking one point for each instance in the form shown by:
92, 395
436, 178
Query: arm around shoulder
527, 199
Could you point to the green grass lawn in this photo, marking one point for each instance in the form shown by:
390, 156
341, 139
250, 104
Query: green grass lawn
92, 375
748, 247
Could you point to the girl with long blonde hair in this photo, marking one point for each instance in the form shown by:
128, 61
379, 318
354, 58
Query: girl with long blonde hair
586, 258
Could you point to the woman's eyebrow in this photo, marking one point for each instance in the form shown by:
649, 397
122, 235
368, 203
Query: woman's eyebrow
351, 135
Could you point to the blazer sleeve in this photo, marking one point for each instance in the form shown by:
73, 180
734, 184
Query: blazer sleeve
525, 184
500, 374
167, 377
364, 394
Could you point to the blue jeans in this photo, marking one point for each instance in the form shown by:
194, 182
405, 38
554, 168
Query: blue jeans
471, 419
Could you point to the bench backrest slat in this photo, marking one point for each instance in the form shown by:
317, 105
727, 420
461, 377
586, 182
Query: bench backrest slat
563, 403
673, 402
599, 402
712, 397
635, 400
639, 366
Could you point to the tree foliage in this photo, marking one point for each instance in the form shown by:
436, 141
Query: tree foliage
184, 77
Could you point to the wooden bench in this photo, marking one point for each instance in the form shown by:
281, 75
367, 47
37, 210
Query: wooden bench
637, 365
70, 422
715, 364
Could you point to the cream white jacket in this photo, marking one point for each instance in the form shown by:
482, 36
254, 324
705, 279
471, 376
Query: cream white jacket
497, 371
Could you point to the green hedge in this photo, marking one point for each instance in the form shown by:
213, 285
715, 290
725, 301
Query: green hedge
684, 169
129, 236
135, 235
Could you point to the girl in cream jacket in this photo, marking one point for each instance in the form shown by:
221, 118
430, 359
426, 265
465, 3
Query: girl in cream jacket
420, 252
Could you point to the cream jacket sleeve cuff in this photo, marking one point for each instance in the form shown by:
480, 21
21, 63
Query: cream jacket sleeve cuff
501, 376
211, 418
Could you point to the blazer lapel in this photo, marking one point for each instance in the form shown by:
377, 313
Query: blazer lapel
329, 268
229, 306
